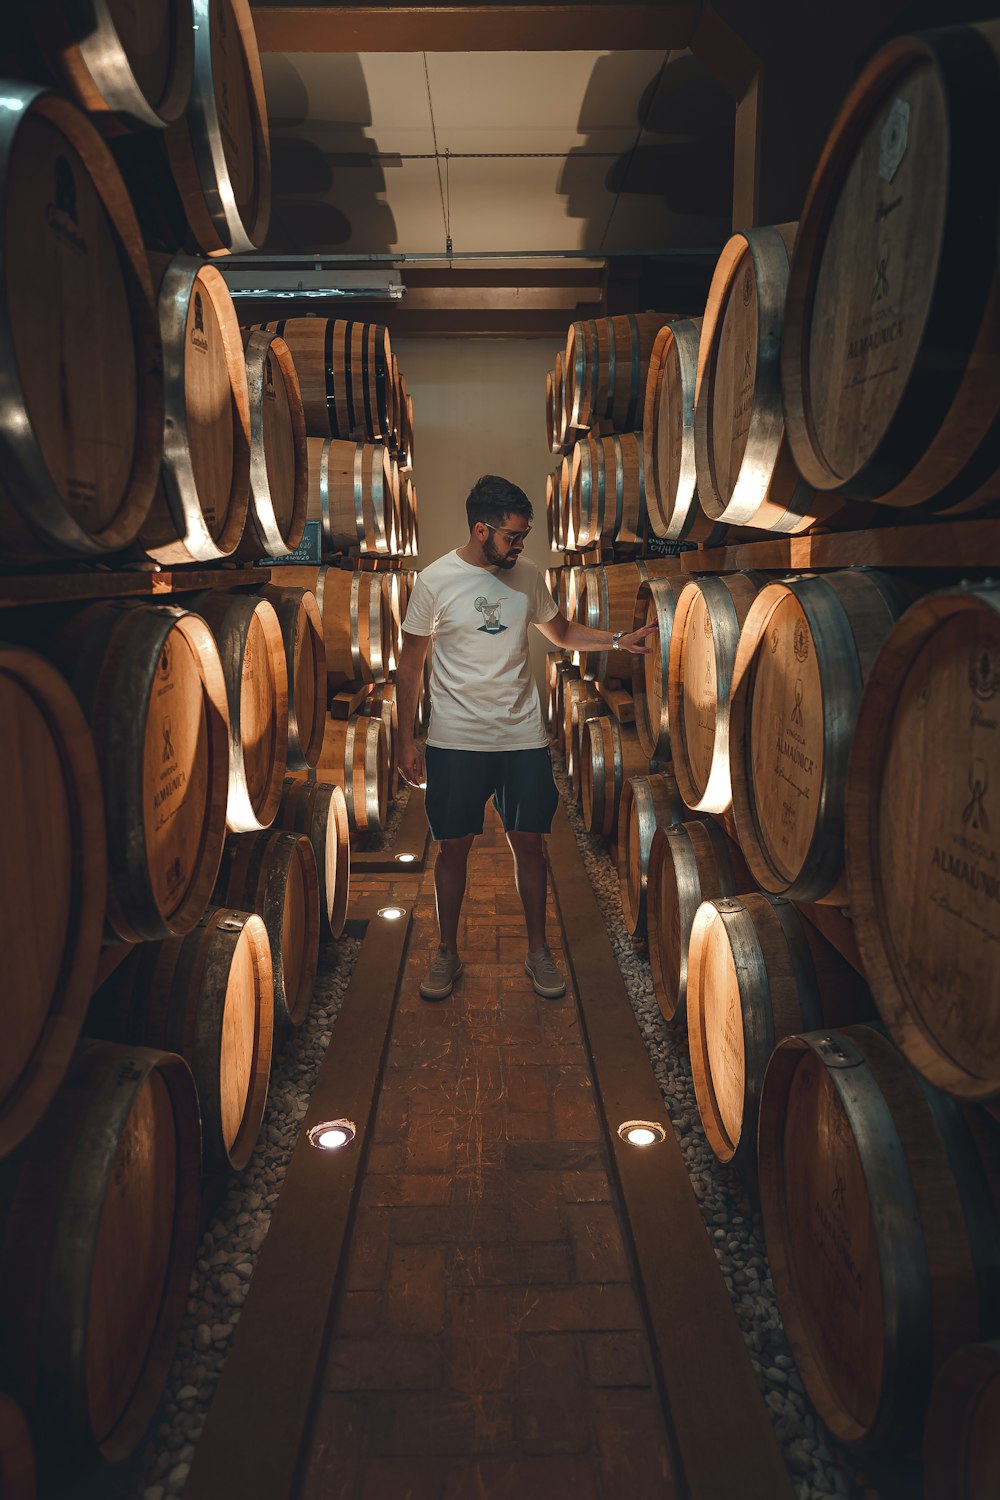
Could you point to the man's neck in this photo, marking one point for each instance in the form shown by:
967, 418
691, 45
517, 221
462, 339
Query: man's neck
473, 553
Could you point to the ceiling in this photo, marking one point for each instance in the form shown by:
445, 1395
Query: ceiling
506, 152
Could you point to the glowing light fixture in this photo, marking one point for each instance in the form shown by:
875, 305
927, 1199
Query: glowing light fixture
391, 913
641, 1132
406, 859
330, 1135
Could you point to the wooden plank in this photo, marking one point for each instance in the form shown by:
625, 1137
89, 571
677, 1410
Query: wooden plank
947, 546
346, 701
21, 589
619, 700
701, 1357
257, 1423
413, 838
406, 27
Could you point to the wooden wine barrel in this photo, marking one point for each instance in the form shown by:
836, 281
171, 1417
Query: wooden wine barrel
890, 363
551, 438
305, 666
98, 1228
580, 700
81, 362
250, 643
922, 846
961, 1444
655, 603
585, 707
606, 599
805, 651
209, 997
609, 370
688, 863
668, 445
133, 64
607, 491
745, 471
355, 757
648, 803
881, 1229
319, 810
757, 972
344, 370
279, 467
152, 686
220, 149
53, 869
357, 621
351, 494
17, 1456
405, 424
610, 755
560, 668
708, 618
274, 874
200, 507
381, 704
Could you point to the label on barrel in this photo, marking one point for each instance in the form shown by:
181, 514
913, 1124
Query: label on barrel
309, 550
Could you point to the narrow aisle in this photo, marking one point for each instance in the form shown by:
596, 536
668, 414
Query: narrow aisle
488, 1343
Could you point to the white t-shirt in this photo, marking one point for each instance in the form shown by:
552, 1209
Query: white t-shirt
483, 694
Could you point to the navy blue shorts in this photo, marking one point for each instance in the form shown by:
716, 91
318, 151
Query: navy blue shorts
461, 782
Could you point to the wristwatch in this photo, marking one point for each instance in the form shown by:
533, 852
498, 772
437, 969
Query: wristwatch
616, 639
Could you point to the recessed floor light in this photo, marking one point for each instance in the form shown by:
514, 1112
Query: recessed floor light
642, 1132
406, 859
391, 913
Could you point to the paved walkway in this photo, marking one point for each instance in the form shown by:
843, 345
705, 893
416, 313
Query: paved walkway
488, 1344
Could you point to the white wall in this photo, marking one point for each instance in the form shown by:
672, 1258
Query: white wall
478, 408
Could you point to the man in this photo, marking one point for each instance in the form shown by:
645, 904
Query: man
486, 735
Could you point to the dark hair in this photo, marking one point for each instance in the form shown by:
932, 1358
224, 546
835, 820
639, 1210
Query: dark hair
491, 498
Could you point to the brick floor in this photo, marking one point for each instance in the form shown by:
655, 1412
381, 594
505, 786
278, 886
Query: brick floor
488, 1343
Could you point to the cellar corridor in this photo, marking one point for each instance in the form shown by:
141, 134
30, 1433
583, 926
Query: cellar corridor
489, 1328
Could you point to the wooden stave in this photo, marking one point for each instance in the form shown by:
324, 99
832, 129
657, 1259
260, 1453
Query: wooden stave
963, 57
790, 981
231, 618
53, 1191
887, 974
609, 756
647, 803
770, 493
844, 665
171, 996
254, 877
263, 536
319, 810
27, 1098
196, 148
300, 619
87, 54
660, 596
959, 1447
176, 531
730, 609
708, 865
17, 1454
110, 653
36, 525
942, 1159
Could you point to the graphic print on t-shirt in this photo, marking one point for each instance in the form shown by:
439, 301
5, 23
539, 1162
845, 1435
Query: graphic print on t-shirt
491, 615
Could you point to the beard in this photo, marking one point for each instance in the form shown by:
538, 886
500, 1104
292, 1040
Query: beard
495, 557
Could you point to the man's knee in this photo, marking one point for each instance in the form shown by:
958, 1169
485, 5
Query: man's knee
456, 851
530, 844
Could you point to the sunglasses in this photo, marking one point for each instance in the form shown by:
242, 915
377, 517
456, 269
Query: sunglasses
512, 536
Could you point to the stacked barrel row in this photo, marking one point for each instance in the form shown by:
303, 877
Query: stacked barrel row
148, 801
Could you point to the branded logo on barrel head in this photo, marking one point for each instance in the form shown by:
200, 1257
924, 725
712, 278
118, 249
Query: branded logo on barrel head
747, 365
773, 639
880, 287
164, 662
747, 286
198, 336
984, 671
892, 141
800, 640
974, 813
797, 705
168, 744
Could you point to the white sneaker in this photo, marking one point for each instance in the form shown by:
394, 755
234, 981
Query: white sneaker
546, 978
445, 968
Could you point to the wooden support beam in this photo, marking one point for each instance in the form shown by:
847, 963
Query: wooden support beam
401, 26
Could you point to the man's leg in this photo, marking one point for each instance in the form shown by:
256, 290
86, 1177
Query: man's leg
450, 871
531, 879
